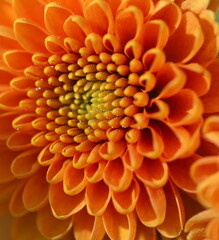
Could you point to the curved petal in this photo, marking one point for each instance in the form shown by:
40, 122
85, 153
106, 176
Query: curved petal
74, 180
22, 84
49, 226
150, 144
7, 15
180, 173
195, 5
63, 205
97, 197
77, 27
16, 205
185, 108
9, 100
209, 49
100, 16
212, 94
204, 168
24, 122
94, 172
91, 229
24, 9
168, 12
6, 128
111, 150
117, 176
35, 194
19, 141
25, 164
145, 233
30, 36
186, 40
131, 17
56, 171
118, 226
212, 229
158, 37
197, 78
170, 80
77, 7
54, 18
7, 39
24, 228
175, 216
156, 178
125, 201
151, 206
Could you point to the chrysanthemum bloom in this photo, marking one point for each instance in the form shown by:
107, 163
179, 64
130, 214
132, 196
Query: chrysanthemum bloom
205, 225
102, 102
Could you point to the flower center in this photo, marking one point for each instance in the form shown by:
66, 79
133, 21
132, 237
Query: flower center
90, 94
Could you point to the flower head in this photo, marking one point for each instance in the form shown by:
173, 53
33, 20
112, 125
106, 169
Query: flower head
99, 101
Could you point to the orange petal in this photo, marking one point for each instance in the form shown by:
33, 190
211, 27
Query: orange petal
150, 143
19, 141
175, 142
153, 59
55, 44
6, 76
62, 204
195, 6
185, 108
125, 201
186, 40
204, 168
30, 36
131, 17
77, 27
7, 15
94, 172
200, 220
117, 176
6, 128
99, 15
132, 158
22, 84
197, 78
24, 122
24, 9
111, 150
211, 130
16, 204
118, 226
35, 194
170, 80
97, 197
7, 157
92, 228
208, 191
80, 160
74, 180
56, 170
158, 37
169, 12
77, 7
7, 39
212, 229
145, 6
49, 226
175, 216
144, 233
25, 164
94, 42
180, 173
10, 99
39, 139
24, 228
209, 49
212, 95
156, 178
54, 18
151, 206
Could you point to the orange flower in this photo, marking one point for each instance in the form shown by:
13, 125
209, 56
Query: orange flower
99, 100
206, 173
